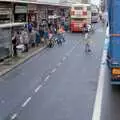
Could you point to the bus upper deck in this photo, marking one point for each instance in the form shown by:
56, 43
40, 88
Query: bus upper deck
80, 14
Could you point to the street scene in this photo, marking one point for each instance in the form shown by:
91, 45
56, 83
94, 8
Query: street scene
55, 82
59, 60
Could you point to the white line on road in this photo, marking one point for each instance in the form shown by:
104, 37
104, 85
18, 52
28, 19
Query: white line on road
67, 54
54, 70
72, 49
59, 64
64, 58
99, 94
38, 88
13, 116
46, 79
26, 102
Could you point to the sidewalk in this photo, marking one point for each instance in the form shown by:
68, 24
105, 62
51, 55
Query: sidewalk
13, 62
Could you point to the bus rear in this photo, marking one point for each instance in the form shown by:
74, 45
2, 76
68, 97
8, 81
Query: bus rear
80, 15
95, 14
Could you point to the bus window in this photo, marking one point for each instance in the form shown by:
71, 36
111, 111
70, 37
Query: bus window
88, 8
78, 8
94, 14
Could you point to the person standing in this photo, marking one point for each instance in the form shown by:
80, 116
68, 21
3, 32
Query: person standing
46, 35
86, 38
14, 42
25, 39
37, 41
41, 32
32, 37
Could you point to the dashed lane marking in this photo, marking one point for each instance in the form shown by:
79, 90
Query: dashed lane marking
46, 79
26, 102
38, 88
64, 58
59, 64
54, 70
14, 116
67, 54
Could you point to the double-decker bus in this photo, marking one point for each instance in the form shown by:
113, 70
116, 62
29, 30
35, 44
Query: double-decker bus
95, 14
80, 14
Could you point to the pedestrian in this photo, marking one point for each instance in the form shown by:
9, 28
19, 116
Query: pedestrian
61, 32
25, 39
37, 38
32, 37
30, 27
86, 38
41, 32
46, 35
14, 43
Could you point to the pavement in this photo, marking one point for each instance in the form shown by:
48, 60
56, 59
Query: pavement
12, 62
55, 84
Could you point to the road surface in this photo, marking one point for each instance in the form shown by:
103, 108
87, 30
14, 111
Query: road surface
56, 84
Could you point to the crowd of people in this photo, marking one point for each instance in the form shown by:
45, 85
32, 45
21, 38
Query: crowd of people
31, 37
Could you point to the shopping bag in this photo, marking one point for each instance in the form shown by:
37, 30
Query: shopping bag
42, 39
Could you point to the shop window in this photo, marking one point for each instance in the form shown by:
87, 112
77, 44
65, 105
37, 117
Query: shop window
20, 17
4, 18
50, 12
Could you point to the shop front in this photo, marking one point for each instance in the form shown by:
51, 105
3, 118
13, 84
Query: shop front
20, 12
5, 13
5, 32
33, 15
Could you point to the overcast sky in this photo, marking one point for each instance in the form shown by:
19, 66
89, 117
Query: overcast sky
93, 1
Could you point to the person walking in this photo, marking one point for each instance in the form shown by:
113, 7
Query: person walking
41, 32
25, 39
14, 43
46, 35
37, 41
86, 38
32, 37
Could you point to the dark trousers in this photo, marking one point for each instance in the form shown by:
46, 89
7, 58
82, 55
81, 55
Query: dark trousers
26, 47
14, 50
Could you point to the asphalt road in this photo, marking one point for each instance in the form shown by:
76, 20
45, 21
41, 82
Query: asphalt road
111, 100
56, 84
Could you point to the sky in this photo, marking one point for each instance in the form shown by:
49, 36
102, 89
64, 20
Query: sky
95, 2
53, 1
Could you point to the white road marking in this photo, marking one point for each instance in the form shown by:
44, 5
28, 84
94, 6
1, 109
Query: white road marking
26, 102
47, 78
54, 70
99, 94
59, 64
67, 54
13, 116
38, 88
64, 58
